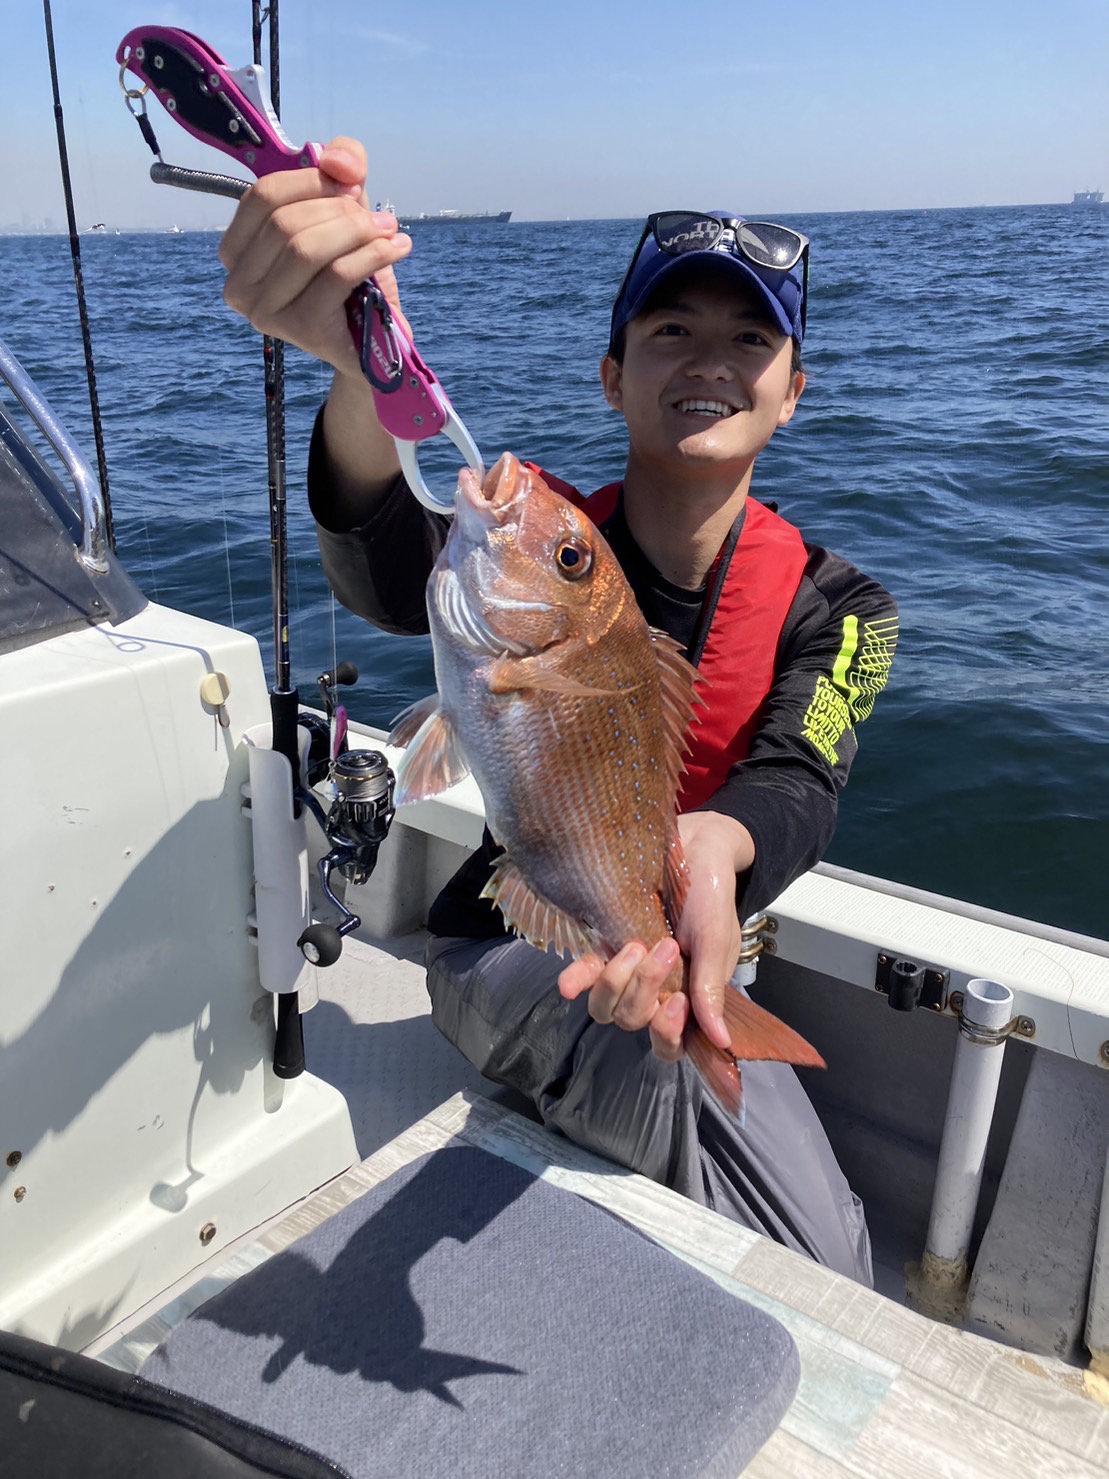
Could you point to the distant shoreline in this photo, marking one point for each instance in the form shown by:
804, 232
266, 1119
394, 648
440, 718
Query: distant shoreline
901, 210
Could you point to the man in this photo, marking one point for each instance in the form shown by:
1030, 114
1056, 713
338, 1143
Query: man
793, 645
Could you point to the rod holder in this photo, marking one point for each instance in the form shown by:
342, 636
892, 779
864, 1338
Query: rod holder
984, 1024
282, 906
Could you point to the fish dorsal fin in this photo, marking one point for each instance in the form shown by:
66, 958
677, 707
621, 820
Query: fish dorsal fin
433, 761
677, 676
675, 879
535, 918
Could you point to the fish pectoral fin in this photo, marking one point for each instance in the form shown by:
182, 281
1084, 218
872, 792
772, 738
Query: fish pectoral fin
514, 674
409, 721
433, 761
757, 1036
535, 918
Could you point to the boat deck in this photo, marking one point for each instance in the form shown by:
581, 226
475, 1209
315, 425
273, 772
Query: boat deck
883, 1390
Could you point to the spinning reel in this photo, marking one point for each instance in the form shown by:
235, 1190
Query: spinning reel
357, 821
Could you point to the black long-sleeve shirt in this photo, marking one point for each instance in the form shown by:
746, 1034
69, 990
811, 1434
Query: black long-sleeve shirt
786, 791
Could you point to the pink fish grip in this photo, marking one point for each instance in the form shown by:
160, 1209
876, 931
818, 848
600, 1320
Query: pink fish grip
230, 110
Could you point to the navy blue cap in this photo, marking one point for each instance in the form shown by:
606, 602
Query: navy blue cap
783, 293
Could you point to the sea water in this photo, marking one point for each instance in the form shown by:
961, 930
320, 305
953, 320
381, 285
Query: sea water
952, 441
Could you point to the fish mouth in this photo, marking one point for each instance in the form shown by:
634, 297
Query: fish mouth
468, 591
471, 501
489, 502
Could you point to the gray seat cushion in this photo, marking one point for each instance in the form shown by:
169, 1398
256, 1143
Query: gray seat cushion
466, 1319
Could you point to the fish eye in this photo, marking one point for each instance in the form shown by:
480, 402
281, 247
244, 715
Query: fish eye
573, 558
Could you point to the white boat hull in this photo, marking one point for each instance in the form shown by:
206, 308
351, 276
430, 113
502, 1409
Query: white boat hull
142, 1125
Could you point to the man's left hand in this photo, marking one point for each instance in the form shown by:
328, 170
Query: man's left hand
625, 989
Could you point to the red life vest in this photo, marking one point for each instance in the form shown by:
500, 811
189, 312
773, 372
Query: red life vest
753, 590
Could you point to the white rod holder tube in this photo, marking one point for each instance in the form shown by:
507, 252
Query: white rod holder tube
282, 906
983, 1026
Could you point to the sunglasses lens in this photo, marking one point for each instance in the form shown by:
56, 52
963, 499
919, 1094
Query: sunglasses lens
769, 245
680, 231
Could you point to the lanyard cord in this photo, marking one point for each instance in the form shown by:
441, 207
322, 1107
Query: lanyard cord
714, 585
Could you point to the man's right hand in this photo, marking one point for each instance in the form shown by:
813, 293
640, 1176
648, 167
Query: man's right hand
300, 242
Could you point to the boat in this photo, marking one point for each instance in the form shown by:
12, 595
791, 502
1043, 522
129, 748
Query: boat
387, 205
1088, 197
459, 218
152, 1155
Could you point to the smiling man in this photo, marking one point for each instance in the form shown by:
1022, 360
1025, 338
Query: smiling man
793, 645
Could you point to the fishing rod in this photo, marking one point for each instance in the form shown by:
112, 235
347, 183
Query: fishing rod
232, 111
288, 1052
79, 282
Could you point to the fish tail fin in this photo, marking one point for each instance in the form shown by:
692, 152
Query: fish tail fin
719, 1072
757, 1036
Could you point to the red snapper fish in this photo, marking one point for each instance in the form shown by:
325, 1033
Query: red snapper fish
571, 714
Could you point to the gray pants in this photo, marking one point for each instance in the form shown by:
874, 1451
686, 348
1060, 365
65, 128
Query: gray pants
497, 1001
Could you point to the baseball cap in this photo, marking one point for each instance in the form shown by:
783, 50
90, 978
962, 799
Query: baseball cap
747, 249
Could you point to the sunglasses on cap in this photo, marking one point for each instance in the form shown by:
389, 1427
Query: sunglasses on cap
761, 243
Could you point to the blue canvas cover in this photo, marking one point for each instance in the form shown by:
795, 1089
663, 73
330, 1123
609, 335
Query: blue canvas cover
465, 1319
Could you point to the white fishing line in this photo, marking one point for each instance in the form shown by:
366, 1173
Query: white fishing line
334, 638
226, 537
140, 508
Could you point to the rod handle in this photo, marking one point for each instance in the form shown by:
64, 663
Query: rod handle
288, 1047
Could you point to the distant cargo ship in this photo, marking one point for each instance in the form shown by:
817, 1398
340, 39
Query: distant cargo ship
1088, 197
460, 218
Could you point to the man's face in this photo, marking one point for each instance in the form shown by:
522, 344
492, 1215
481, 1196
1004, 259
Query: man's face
706, 378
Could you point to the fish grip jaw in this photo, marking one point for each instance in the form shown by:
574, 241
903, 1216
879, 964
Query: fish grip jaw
226, 109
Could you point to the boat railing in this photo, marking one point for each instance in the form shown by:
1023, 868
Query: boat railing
93, 552
966, 910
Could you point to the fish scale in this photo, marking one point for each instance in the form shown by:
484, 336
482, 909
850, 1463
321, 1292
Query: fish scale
596, 843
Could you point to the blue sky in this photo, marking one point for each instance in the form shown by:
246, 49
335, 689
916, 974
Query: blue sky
600, 109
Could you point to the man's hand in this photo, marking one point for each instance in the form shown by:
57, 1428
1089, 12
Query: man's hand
625, 989
299, 243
